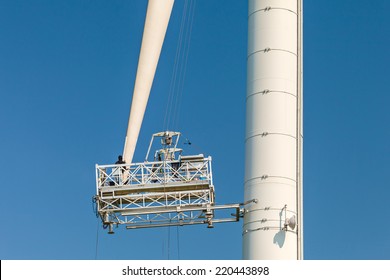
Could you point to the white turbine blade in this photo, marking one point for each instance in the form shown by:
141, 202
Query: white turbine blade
156, 23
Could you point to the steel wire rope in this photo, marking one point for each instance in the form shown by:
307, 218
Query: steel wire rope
178, 243
172, 84
176, 89
180, 66
95, 206
164, 189
95, 211
169, 242
97, 240
183, 71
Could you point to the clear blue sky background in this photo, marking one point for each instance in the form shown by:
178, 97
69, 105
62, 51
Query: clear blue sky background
67, 70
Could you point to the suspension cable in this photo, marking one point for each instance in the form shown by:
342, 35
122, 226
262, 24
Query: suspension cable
183, 72
176, 87
175, 67
180, 66
178, 243
169, 242
97, 239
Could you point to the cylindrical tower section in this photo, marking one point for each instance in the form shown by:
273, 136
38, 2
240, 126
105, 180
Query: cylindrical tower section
273, 127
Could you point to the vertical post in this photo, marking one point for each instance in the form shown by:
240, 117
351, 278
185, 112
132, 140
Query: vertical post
97, 178
273, 142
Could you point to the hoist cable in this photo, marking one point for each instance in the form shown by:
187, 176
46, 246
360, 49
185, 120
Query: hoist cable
180, 67
178, 243
183, 71
175, 66
169, 242
97, 240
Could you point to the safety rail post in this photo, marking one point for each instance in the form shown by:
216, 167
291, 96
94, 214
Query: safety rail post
210, 171
97, 179
142, 174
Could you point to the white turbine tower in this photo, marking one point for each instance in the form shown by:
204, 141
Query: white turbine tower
273, 144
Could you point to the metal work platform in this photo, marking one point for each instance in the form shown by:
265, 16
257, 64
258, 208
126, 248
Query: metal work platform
170, 190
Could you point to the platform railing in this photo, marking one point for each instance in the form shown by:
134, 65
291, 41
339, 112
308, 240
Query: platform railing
158, 172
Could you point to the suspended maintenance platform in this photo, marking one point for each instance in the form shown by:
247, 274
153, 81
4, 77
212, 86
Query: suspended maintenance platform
170, 190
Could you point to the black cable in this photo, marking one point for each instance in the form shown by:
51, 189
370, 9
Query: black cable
97, 240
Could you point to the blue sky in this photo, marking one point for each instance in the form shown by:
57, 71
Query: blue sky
67, 71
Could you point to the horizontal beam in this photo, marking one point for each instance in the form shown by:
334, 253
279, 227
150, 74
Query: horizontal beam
181, 224
171, 209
